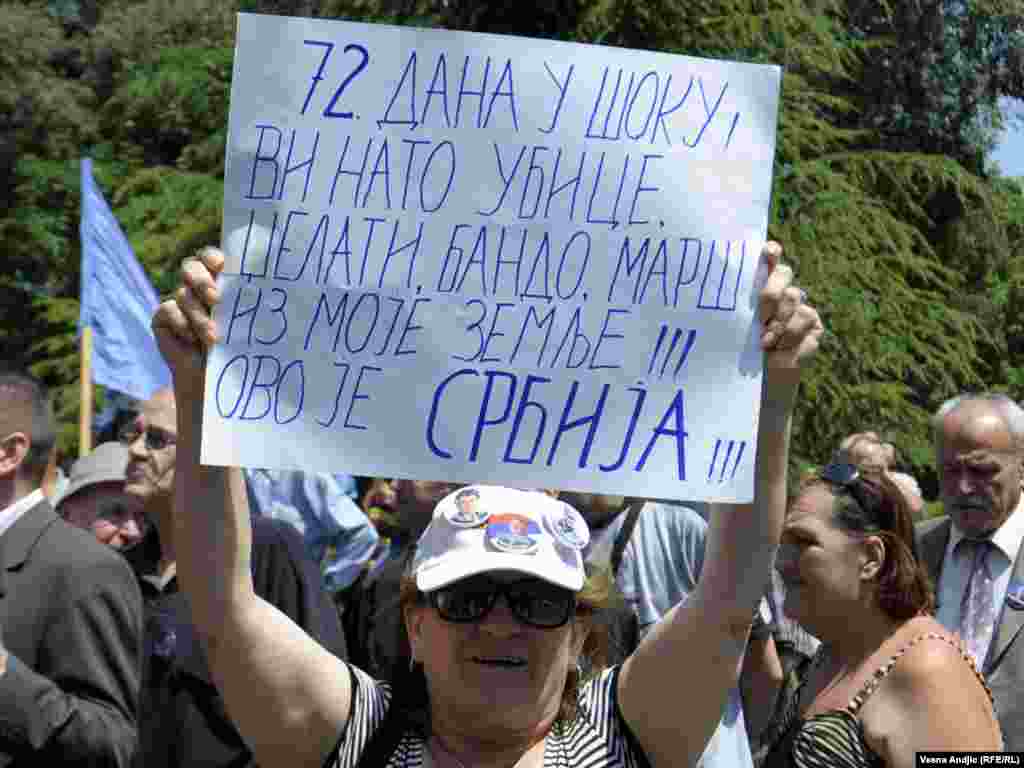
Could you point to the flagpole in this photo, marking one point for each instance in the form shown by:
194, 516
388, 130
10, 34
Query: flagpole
85, 406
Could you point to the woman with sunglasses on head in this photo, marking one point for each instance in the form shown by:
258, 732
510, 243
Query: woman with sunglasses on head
888, 680
497, 606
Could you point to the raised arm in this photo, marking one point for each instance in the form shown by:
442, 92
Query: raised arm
288, 697
695, 650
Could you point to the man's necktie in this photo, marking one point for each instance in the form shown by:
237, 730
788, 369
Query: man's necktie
977, 608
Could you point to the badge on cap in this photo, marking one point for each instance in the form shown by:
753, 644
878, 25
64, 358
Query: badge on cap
1015, 595
568, 528
512, 533
467, 511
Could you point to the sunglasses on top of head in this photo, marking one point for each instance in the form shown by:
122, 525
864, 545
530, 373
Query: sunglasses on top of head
532, 601
849, 478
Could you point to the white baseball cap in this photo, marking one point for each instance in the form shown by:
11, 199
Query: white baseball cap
482, 528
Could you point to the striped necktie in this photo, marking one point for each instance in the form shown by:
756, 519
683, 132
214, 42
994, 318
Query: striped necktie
977, 608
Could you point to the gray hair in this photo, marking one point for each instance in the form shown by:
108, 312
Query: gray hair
1011, 413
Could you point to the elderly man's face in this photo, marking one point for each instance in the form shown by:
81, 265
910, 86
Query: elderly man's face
106, 511
979, 468
150, 440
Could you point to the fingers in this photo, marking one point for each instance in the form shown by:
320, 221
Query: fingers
801, 324
212, 258
183, 325
786, 306
771, 255
188, 317
197, 314
198, 275
199, 294
170, 323
775, 295
778, 280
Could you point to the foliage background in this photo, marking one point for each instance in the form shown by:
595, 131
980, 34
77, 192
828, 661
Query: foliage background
905, 236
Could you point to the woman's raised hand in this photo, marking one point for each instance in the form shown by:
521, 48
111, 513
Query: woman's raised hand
183, 325
791, 329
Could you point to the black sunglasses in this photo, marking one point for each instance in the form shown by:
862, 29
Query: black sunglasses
532, 601
848, 477
155, 439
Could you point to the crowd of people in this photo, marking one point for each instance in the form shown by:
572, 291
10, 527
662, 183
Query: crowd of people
158, 612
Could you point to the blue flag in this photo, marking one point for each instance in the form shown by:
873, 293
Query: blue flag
117, 302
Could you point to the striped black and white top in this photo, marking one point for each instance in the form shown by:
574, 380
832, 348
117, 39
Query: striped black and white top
597, 738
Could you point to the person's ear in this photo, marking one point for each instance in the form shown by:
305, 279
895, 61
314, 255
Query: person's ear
873, 558
13, 450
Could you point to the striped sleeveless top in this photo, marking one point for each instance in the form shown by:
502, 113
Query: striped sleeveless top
597, 738
835, 738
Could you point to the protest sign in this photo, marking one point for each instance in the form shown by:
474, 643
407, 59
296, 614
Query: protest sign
491, 259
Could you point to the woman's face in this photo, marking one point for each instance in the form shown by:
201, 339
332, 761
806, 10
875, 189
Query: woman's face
497, 673
823, 567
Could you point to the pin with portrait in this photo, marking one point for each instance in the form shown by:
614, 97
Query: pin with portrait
468, 510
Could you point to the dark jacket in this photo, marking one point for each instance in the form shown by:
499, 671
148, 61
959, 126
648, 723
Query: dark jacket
183, 720
71, 618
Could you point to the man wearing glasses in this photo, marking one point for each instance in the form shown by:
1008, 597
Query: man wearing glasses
182, 720
70, 612
149, 478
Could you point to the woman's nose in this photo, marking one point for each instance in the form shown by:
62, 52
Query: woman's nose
500, 620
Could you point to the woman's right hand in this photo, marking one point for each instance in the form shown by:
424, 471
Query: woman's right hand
183, 325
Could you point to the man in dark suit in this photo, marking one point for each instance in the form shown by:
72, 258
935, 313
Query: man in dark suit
183, 722
974, 555
70, 615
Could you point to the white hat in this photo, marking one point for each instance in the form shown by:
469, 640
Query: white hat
483, 528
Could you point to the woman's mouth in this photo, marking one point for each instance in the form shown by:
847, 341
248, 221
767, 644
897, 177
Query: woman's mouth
505, 662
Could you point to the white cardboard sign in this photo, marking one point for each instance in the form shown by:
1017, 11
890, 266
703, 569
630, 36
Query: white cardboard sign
491, 259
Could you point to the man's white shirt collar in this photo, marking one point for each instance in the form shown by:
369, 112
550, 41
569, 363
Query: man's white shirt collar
161, 581
13, 513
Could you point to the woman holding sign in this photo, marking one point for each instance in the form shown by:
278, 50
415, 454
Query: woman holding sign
497, 606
